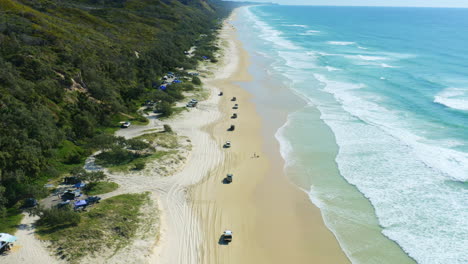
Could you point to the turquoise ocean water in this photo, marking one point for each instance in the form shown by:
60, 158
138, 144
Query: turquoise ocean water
391, 85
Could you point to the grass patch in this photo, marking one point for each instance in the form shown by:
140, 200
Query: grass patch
163, 139
146, 159
107, 226
11, 221
100, 188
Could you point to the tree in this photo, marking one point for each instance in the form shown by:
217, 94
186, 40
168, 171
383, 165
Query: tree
90, 177
95, 177
165, 109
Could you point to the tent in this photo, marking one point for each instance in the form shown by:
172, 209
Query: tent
177, 81
80, 203
162, 87
4, 237
80, 185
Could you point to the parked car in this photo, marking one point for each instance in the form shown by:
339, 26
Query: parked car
30, 202
93, 199
126, 124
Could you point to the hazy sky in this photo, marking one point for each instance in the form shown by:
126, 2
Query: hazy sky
426, 3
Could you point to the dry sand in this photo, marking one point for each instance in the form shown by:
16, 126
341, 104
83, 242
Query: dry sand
272, 220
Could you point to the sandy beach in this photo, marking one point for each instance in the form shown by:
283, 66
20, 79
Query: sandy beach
272, 220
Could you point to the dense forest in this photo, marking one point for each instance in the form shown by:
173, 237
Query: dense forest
69, 68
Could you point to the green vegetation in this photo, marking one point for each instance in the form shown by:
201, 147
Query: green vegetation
196, 80
10, 220
167, 128
107, 225
139, 165
70, 70
56, 218
165, 140
100, 188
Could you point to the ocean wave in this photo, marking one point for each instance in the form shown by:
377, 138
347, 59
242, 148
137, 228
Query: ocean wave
268, 33
330, 69
310, 33
384, 65
295, 25
455, 98
341, 43
286, 148
404, 176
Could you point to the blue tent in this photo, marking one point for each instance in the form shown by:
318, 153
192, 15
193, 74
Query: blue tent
80, 203
162, 87
205, 57
177, 81
80, 185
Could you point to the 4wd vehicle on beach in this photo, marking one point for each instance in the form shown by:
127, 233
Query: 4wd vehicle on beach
232, 128
227, 236
234, 99
228, 178
236, 106
227, 144
234, 116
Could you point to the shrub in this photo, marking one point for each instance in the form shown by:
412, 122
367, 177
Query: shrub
167, 128
57, 217
116, 156
196, 80
136, 144
139, 165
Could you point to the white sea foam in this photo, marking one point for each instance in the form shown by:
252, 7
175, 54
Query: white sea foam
285, 145
310, 33
330, 69
384, 65
405, 176
270, 34
341, 43
295, 25
456, 98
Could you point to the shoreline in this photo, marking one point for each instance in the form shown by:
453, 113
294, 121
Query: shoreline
262, 206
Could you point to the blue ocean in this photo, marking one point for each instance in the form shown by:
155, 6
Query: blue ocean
391, 86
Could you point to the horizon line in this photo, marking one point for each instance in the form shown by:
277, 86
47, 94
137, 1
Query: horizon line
453, 7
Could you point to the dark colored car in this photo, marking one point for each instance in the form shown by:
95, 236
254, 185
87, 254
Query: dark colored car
93, 199
30, 202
